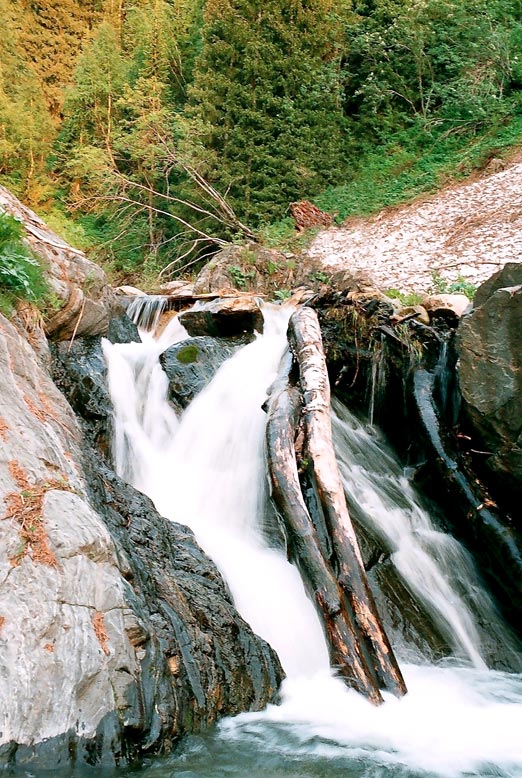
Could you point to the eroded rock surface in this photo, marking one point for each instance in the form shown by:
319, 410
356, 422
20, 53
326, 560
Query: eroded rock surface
65, 651
117, 634
191, 365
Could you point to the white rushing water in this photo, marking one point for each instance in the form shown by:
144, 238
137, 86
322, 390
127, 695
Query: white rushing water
433, 565
207, 469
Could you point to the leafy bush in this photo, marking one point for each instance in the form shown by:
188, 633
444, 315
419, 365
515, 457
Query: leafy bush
21, 275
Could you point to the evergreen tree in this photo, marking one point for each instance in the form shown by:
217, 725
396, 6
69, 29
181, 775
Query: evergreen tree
265, 95
86, 145
51, 37
26, 130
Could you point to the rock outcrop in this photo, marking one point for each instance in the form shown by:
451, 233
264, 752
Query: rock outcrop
224, 317
82, 299
490, 378
380, 365
117, 634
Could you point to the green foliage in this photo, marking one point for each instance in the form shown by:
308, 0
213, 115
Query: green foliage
449, 62
319, 276
51, 35
239, 277
440, 285
26, 129
415, 161
266, 102
21, 276
405, 298
361, 104
282, 294
283, 236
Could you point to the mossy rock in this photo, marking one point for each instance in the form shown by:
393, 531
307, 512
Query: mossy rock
192, 364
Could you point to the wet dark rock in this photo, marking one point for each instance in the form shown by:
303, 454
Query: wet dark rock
80, 371
199, 659
121, 329
404, 619
469, 509
490, 378
405, 622
192, 364
190, 658
404, 376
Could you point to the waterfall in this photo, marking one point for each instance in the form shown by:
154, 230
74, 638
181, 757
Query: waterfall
207, 469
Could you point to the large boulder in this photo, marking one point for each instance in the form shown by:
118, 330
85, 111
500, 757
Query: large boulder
509, 275
237, 268
191, 365
490, 377
82, 299
117, 634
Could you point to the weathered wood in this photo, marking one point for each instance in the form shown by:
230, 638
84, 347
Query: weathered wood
347, 653
306, 343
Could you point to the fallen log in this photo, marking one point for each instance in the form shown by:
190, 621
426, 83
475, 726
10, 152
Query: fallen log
306, 343
347, 654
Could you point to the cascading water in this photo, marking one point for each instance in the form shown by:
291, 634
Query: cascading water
207, 470
209, 473
432, 564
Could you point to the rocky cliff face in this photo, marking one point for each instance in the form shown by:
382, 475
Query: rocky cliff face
117, 634
66, 653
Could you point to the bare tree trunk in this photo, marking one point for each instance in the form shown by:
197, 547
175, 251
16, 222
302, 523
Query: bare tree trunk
347, 654
306, 343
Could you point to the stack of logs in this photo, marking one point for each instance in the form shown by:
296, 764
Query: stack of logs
299, 429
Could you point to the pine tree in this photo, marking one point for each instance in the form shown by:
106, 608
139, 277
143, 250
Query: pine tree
51, 37
26, 129
87, 140
266, 96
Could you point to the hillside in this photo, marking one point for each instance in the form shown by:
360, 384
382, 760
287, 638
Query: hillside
455, 238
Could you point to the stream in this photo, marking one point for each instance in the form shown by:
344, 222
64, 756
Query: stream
207, 469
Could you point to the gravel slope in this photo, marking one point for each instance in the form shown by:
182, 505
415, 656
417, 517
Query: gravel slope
466, 231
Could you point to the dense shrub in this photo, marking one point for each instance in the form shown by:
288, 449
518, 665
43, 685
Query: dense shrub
21, 275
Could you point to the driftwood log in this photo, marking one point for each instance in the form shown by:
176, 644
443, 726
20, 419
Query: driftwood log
359, 647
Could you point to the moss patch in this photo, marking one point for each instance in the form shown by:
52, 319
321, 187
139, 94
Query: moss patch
188, 354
